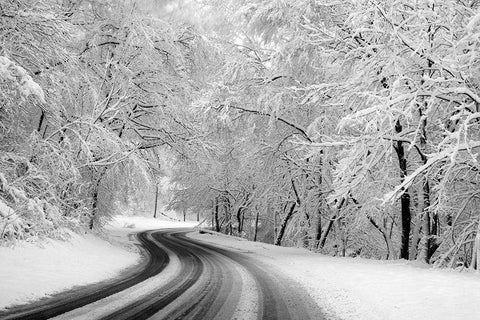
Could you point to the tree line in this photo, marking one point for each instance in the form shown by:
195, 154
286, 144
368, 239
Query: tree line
350, 128
89, 95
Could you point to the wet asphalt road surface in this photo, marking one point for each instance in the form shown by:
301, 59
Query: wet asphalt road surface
208, 282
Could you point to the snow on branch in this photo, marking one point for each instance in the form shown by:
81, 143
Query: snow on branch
23, 82
10, 223
434, 159
287, 122
474, 22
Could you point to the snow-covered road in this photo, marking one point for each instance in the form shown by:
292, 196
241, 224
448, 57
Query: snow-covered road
206, 282
362, 289
344, 288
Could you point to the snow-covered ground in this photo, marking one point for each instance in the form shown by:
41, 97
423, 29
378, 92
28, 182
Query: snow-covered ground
355, 288
29, 272
346, 288
120, 224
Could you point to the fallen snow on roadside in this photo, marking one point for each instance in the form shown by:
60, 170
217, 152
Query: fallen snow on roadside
354, 288
137, 223
29, 272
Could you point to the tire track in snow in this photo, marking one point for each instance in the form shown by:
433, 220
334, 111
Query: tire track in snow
58, 304
195, 280
106, 306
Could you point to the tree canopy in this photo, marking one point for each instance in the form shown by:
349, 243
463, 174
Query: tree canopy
349, 128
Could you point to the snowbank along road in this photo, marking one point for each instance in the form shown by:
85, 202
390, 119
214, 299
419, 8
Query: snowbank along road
182, 279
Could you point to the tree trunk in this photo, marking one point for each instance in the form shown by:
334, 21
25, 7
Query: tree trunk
416, 239
239, 220
96, 189
326, 231
283, 225
425, 246
156, 200
415, 246
255, 232
388, 241
215, 215
475, 265
405, 198
243, 220
429, 242
227, 214
94, 207
318, 229
40, 121
328, 228
274, 224
390, 248
406, 219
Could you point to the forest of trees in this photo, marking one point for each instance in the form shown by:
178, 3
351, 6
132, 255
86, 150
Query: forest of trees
346, 127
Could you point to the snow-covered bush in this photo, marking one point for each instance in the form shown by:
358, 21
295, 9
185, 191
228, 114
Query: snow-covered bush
40, 192
17, 77
11, 225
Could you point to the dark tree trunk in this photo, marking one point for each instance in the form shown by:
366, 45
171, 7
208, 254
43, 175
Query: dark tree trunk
227, 214
156, 200
283, 225
405, 198
239, 220
318, 230
427, 231
94, 207
328, 228
416, 237
256, 225
215, 215
318, 227
326, 231
40, 122
430, 223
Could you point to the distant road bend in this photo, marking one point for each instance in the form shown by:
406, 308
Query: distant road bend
181, 279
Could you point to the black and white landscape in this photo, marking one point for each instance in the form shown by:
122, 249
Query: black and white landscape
239, 159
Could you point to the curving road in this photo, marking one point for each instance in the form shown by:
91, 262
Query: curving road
181, 279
